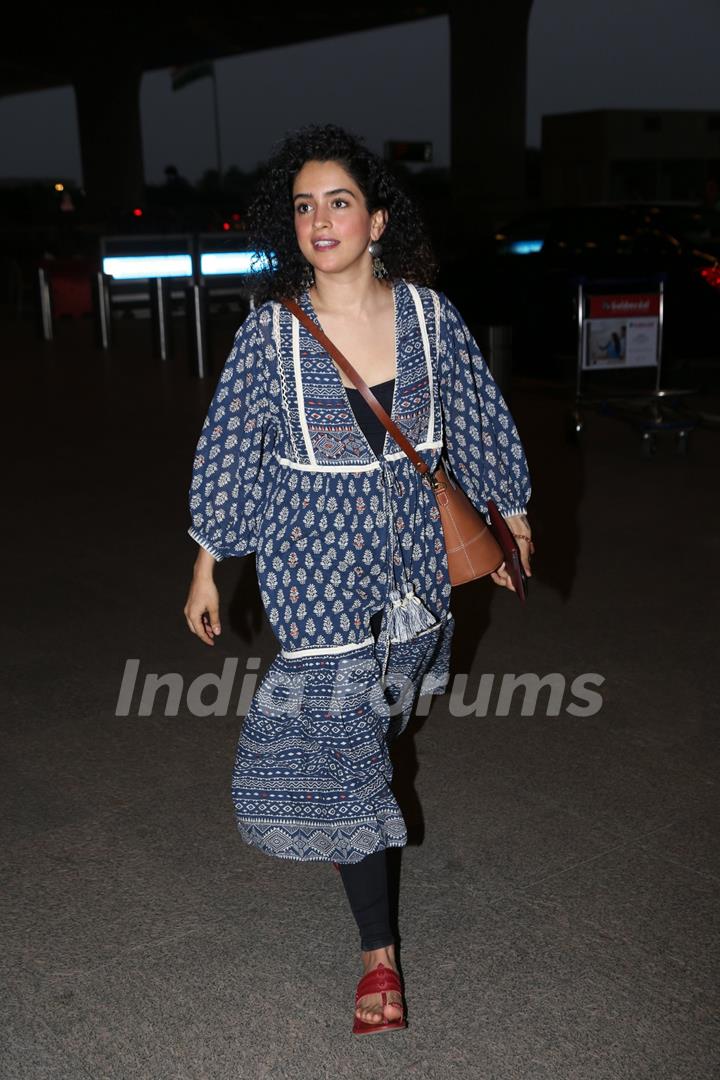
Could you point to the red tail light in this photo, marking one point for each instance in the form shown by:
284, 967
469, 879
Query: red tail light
711, 275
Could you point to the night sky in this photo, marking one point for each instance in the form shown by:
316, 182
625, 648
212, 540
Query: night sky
391, 83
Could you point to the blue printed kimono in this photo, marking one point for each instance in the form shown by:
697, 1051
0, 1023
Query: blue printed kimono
283, 469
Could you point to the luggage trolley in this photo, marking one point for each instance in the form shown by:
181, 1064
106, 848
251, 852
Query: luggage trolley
620, 329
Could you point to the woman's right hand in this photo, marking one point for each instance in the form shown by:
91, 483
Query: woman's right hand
202, 607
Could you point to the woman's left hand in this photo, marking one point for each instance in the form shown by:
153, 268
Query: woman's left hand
520, 528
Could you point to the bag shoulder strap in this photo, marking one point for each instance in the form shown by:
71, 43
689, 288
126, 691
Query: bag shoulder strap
344, 364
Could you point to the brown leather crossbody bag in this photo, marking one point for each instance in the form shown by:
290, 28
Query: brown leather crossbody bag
474, 549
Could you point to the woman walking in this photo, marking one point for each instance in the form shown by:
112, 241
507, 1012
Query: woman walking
292, 465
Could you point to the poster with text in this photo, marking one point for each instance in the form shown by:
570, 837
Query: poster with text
622, 332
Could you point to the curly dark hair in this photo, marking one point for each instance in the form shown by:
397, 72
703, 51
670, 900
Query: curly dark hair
406, 250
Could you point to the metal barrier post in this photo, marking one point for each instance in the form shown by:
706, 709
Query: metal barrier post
198, 330
661, 330
46, 319
580, 337
103, 310
496, 346
161, 310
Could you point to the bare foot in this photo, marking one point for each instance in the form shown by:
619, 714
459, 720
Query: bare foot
369, 1007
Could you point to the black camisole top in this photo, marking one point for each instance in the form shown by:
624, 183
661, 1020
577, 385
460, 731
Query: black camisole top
372, 429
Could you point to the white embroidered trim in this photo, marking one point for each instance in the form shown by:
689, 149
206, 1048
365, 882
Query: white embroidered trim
330, 649
420, 446
281, 373
299, 390
428, 359
436, 308
363, 466
304, 467
276, 327
200, 539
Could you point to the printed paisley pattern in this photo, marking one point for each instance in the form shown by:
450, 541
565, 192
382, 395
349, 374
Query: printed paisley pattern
283, 469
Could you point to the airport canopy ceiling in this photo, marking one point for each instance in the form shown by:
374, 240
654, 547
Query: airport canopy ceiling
57, 45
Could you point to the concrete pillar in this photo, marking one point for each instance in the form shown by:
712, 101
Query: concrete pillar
488, 72
108, 109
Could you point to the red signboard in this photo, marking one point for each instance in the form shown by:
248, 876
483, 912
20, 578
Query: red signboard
614, 307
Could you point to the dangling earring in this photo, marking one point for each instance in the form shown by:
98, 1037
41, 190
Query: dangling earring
379, 268
308, 278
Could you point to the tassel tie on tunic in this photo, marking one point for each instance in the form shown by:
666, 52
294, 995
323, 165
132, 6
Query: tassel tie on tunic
405, 614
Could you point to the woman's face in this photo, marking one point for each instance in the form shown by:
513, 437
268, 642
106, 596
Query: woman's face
332, 223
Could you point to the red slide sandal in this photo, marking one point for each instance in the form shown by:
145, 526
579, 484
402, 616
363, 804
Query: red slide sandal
378, 981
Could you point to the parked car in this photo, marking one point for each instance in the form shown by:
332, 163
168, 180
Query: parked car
697, 225
526, 275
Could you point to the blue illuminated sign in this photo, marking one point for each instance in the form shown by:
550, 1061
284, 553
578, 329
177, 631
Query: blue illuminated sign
130, 267
524, 247
232, 262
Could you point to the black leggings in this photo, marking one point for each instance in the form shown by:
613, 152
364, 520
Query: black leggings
366, 885
366, 882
